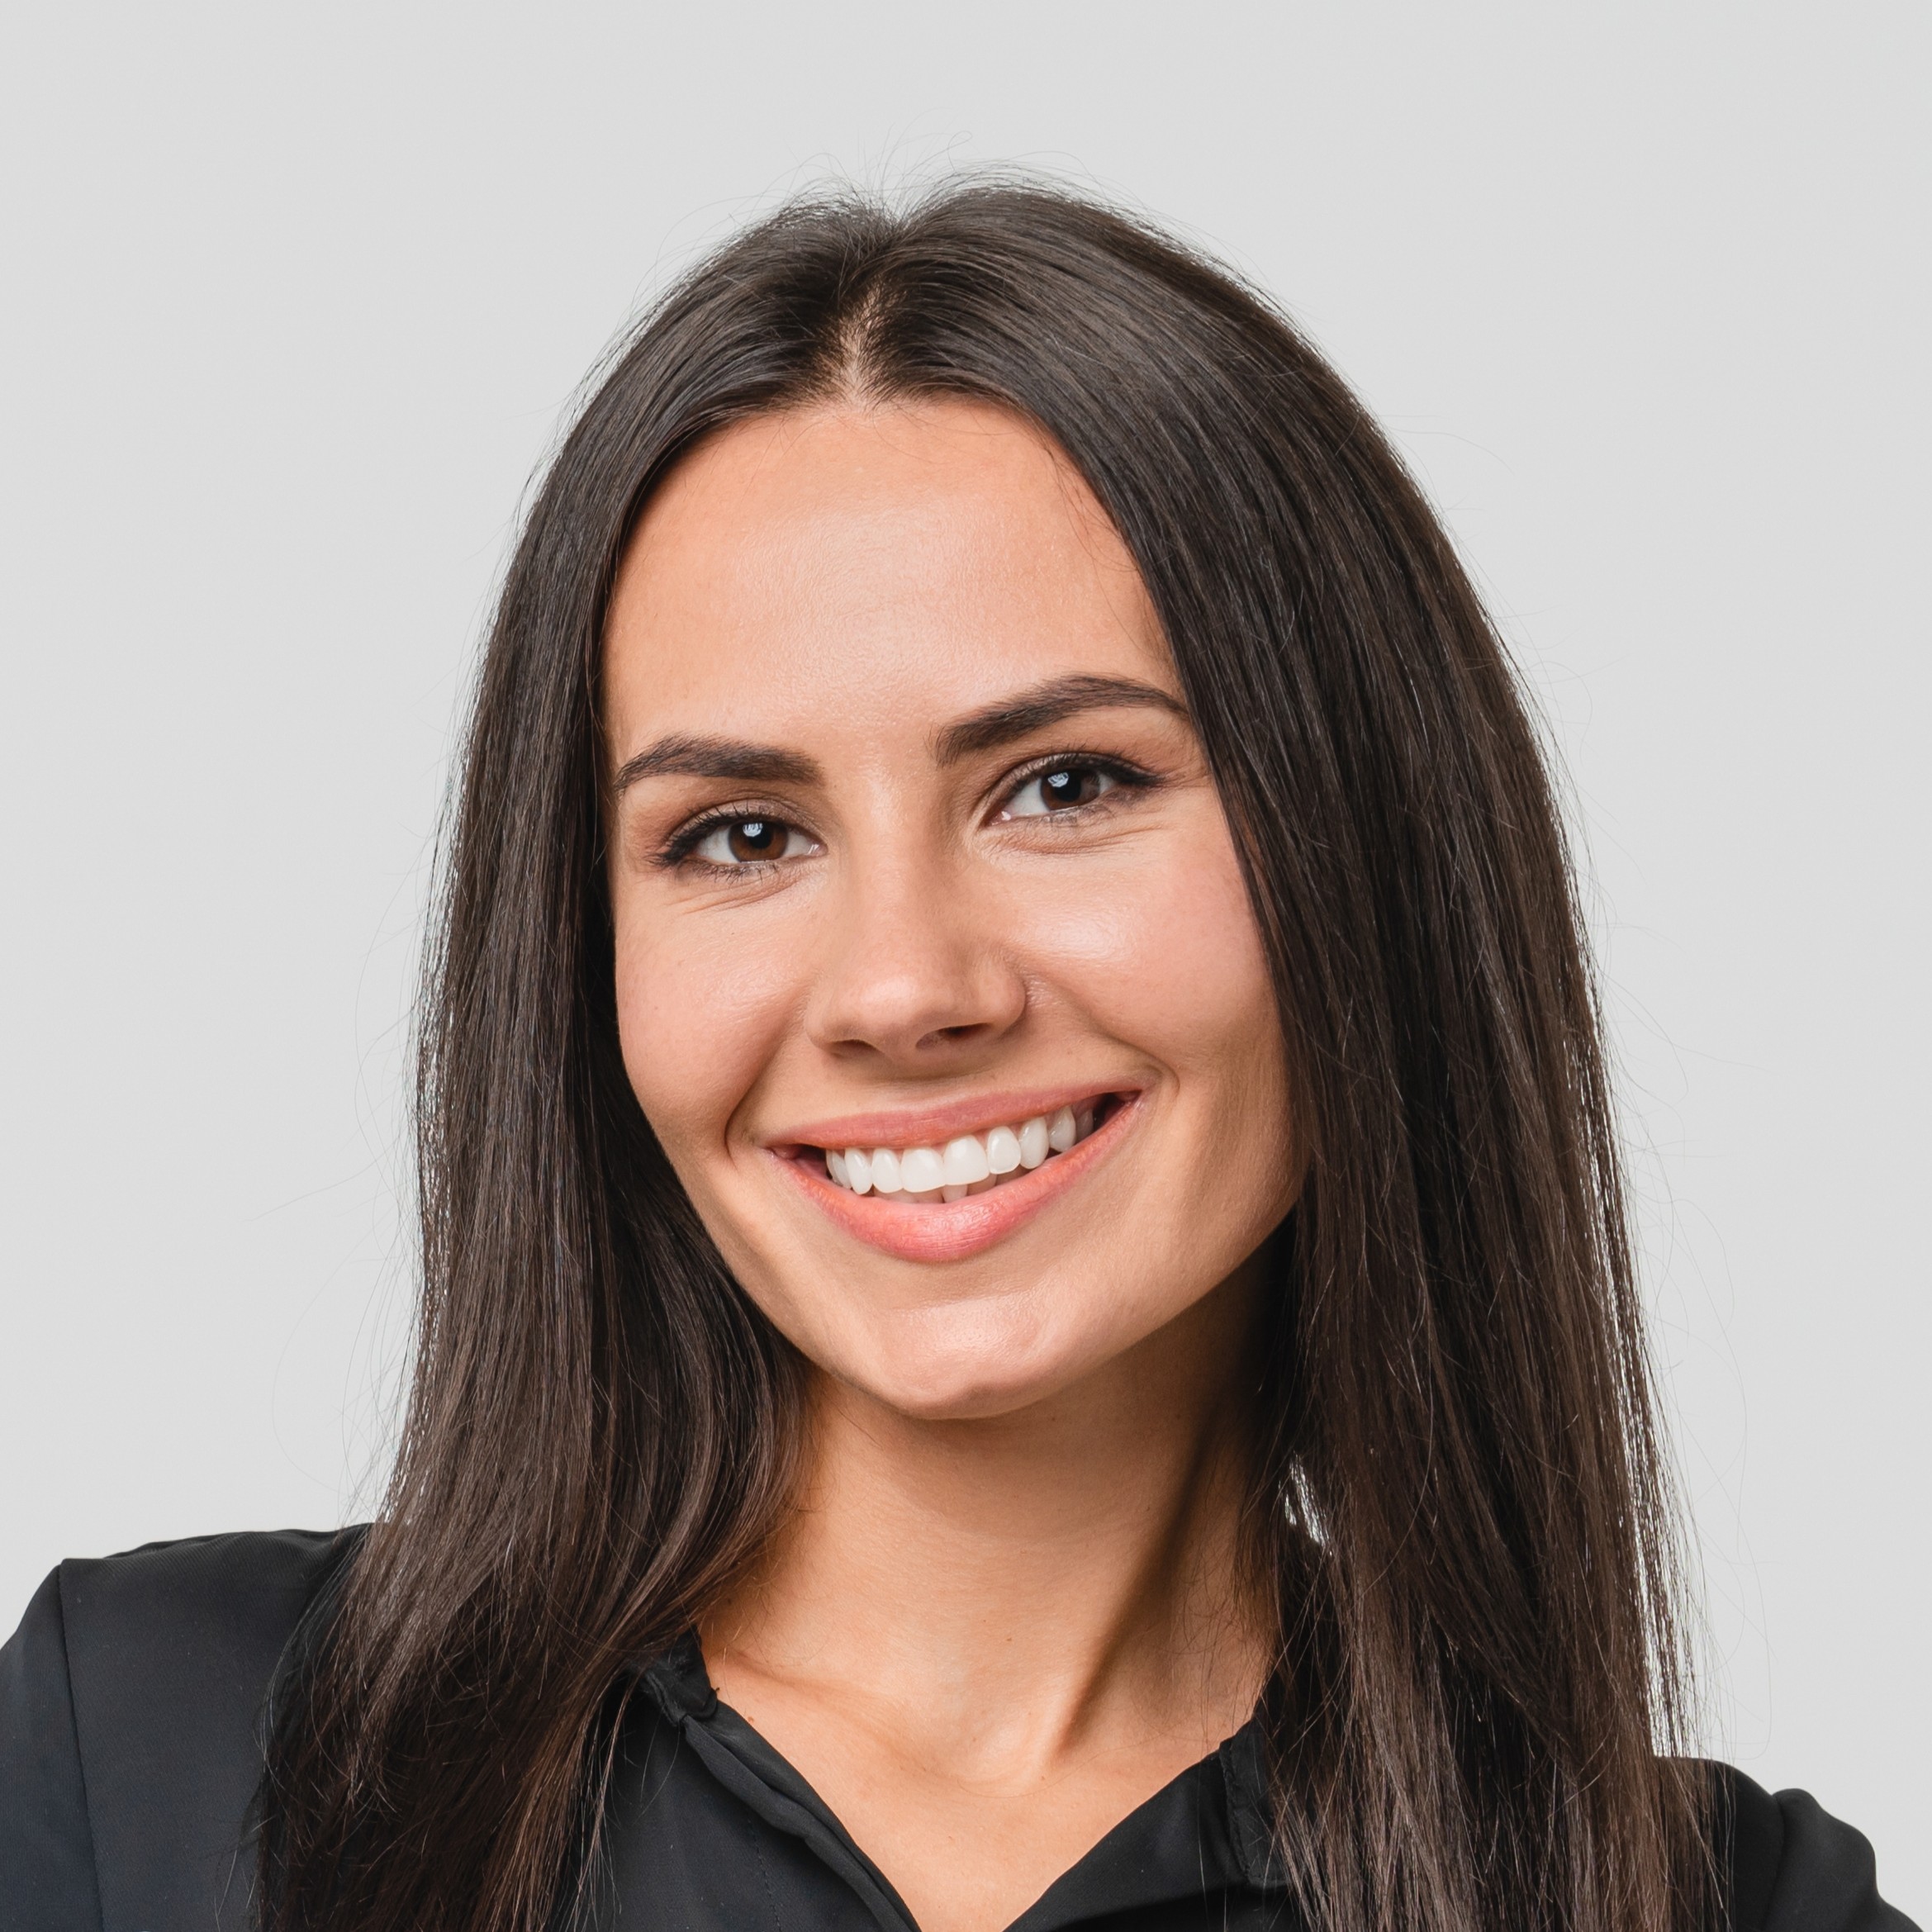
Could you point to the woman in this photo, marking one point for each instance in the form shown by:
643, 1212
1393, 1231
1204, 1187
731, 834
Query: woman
1027, 1318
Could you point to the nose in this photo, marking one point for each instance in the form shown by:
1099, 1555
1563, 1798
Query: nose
913, 978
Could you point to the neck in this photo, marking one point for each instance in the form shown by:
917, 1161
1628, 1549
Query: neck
1063, 1577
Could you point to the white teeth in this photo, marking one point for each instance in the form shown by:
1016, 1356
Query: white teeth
965, 1161
969, 1164
921, 1170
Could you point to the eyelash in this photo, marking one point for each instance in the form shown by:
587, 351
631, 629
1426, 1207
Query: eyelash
1125, 776
683, 843
681, 849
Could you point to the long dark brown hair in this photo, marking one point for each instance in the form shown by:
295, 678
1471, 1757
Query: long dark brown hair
1459, 1498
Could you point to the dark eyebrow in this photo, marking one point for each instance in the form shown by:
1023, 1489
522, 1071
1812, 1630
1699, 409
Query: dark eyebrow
717, 757
1044, 704
980, 731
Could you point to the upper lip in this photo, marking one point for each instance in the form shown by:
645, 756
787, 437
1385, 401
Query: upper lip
927, 1126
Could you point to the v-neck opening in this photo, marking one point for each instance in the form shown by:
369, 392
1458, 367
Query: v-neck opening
1102, 1879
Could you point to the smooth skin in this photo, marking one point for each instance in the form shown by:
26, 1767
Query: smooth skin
848, 650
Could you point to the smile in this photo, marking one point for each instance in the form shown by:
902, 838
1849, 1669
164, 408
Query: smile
967, 1163
932, 1196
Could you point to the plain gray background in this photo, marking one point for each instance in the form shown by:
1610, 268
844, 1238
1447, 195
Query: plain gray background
296, 299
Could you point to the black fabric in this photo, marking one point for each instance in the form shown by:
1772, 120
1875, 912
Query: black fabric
130, 1700
1174, 1863
130, 1814
46, 1844
1794, 1868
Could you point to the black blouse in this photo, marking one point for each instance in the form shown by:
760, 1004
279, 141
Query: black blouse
129, 1752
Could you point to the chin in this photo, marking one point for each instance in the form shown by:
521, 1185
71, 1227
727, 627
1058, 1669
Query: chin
959, 1392
947, 1369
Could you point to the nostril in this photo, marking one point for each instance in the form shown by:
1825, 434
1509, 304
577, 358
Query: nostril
951, 1036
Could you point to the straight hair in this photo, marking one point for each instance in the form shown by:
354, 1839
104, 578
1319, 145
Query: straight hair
1458, 1498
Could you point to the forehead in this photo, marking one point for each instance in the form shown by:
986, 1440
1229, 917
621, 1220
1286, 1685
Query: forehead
859, 570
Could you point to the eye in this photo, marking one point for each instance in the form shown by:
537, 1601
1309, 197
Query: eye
1059, 788
749, 842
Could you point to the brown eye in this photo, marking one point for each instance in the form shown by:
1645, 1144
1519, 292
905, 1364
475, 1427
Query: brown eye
756, 838
750, 841
1059, 790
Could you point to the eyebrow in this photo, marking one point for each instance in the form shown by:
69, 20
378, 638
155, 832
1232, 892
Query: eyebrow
1044, 704
717, 757
684, 755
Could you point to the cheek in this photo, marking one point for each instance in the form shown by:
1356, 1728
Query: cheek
1165, 955
698, 1024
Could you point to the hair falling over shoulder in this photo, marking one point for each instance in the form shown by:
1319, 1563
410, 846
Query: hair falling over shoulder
1460, 1500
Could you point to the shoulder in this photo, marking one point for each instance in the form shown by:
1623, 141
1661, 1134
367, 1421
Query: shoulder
210, 1614
1792, 1866
129, 1706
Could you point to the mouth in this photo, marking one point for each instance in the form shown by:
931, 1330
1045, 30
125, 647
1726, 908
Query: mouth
941, 1197
967, 1164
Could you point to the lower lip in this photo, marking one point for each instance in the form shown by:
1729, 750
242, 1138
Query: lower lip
950, 1231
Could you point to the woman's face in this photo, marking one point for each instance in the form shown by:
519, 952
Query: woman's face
914, 855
